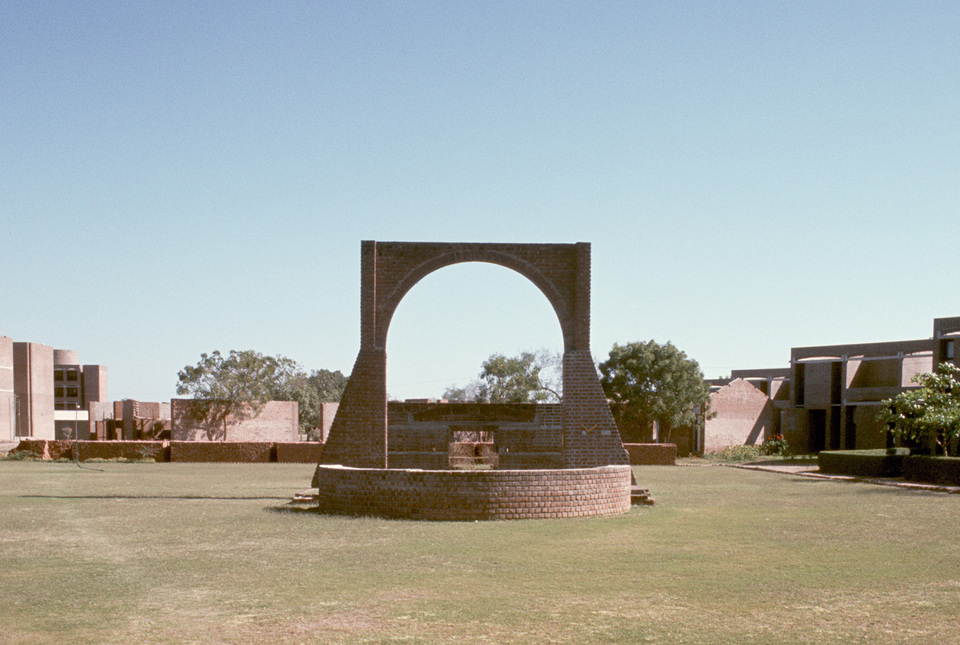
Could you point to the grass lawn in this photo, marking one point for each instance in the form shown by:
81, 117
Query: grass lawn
210, 553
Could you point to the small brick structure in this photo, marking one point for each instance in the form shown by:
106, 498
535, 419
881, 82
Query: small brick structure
580, 443
652, 454
465, 495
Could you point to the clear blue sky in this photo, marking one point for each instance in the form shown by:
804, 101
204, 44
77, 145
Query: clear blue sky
179, 177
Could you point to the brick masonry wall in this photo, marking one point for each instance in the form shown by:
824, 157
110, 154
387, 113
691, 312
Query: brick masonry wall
64, 449
221, 451
277, 421
303, 452
652, 454
744, 416
475, 495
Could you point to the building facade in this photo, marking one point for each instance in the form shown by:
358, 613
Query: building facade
8, 400
829, 396
837, 389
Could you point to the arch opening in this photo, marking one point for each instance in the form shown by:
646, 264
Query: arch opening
455, 318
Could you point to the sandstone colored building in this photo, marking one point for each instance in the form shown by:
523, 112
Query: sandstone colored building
8, 400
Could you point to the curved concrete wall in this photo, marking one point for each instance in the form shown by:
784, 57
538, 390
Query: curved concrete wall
66, 357
475, 494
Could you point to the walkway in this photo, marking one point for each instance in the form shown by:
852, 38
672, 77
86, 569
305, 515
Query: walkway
811, 470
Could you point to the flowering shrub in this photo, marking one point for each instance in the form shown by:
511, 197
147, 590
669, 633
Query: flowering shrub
775, 445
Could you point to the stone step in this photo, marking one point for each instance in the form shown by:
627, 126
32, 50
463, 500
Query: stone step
641, 496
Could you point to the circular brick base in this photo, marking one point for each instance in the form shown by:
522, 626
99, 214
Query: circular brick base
474, 495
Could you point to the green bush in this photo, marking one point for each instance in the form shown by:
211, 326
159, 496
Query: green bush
775, 445
20, 455
862, 463
944, 471
737, 453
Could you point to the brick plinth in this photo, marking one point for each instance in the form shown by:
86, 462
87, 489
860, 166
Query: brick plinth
475, 495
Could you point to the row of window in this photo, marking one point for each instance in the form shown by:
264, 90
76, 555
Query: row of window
60, 376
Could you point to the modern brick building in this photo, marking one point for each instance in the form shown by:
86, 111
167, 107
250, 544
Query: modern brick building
836, 389
828, 397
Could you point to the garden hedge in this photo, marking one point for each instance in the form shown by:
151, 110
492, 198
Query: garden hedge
862, 463
895, 462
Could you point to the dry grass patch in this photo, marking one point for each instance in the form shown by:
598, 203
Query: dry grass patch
212, 553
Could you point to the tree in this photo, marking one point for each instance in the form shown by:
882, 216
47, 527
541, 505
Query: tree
649, 382
234, 387
530, 377
928, 414
310, 392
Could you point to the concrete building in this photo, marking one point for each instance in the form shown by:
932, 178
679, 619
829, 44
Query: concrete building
75, 388
45, 393
828, 398
837, 388
33, 389
8, 400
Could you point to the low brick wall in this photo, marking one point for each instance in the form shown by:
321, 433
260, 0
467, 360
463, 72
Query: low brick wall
652, 454
145, 450
221, 451
301, 452
64, 449
474, 495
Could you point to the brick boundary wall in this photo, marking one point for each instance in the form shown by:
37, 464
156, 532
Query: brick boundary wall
652, 454
453, 495
221, 451
303, 452
64, 449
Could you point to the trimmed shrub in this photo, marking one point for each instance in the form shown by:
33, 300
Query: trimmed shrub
944, 471
862, 463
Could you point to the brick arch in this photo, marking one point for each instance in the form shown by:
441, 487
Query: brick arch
557, 296
359, 436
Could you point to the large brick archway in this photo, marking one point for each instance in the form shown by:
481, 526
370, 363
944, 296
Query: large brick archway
389, 270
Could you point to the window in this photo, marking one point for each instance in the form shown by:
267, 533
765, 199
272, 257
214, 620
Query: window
58, 375
72, 375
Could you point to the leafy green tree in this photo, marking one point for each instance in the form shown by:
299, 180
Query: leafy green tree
237, 387
928, 414
233, 387
648, 382
529, 377
311, 392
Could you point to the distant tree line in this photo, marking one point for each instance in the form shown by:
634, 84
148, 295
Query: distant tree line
646, 383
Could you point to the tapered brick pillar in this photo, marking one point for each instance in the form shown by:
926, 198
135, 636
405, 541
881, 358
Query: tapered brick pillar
358, 436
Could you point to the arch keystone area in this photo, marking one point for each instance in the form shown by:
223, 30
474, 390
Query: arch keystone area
359, 436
